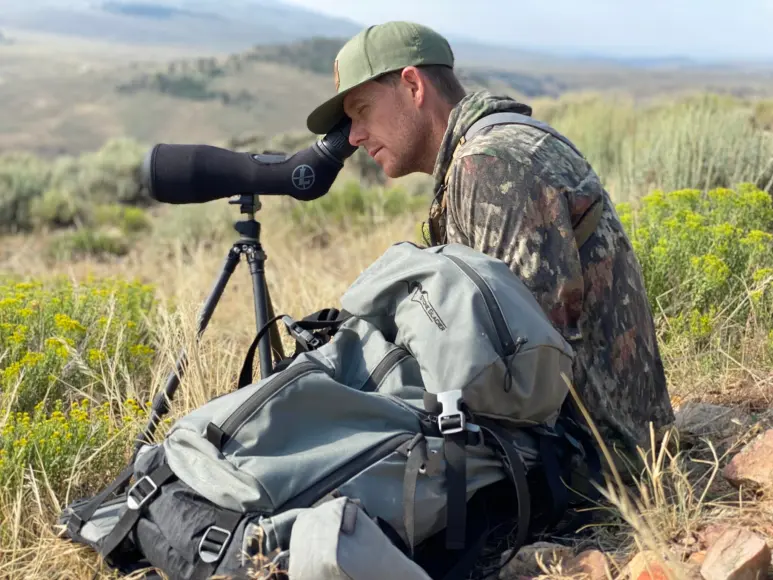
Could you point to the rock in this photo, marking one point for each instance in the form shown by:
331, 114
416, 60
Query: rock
648, 566
589, 565
526, 560
697, 558
738, 554
705, 420
711, 533
753, 466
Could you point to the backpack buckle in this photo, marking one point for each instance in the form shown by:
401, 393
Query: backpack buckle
213, 543
451, 419
136, 497
307, 339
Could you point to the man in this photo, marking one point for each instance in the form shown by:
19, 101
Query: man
520, 194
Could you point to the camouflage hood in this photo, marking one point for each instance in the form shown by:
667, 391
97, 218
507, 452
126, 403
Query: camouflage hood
468, 111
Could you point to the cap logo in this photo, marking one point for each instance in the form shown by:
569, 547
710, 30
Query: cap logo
335, 75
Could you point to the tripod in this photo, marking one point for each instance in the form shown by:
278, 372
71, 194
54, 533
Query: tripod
248, 245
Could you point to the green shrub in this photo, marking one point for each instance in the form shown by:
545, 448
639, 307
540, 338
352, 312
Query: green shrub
196, 225
55, 444
130, 220
23, 178
110, 175
58, 339
88, 242
57, 208
701, 142
65, 192
351, 205
707, 259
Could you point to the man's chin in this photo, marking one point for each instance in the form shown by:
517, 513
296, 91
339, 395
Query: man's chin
392, 171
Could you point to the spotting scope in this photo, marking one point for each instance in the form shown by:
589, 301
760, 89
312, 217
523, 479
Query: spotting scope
182, 174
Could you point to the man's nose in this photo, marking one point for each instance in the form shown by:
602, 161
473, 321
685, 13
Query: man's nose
357, 134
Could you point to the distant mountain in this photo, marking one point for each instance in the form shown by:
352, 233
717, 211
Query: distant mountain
60, 95
208, 25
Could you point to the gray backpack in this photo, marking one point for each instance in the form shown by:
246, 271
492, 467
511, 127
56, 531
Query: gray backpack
441, 393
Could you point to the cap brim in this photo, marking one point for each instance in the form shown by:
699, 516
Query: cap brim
322, 119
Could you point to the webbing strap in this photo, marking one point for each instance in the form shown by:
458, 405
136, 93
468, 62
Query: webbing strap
588, 223
517, 119
517, 472
455, 452
417, 460
214, 543
558, 491
85, 512
143, 491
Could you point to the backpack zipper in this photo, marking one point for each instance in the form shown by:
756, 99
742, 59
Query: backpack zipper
509, 346
387, 364
259, 398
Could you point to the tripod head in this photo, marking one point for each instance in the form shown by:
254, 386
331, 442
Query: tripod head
248, 228
250, 204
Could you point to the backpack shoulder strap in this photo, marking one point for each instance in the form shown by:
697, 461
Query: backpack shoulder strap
517, 119
588, 223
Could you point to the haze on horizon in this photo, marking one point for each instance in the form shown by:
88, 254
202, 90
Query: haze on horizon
710, 30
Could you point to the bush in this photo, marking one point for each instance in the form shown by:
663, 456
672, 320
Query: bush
63, 193
351, 205
23, 178
56, 443
701, 142
88, 242
707, 259
59, 339
110, 175
130, 220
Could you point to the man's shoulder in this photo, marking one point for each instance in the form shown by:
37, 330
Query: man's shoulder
515, 143
527, 150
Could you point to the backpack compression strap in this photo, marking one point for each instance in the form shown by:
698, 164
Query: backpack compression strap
456, 432
588, 223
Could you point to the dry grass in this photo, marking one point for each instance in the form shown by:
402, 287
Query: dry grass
302, 279
677, 495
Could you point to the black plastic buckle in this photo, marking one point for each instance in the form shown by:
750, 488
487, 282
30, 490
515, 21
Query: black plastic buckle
305, 337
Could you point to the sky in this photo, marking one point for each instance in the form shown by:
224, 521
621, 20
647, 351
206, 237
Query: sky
700, 29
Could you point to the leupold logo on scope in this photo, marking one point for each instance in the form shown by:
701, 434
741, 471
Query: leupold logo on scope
303, 177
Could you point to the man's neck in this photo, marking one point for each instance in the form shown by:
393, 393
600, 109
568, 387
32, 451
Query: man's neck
438, 127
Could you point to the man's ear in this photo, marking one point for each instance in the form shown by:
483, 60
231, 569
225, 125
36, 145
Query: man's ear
415, 83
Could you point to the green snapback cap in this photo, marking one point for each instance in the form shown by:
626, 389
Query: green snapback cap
373, 52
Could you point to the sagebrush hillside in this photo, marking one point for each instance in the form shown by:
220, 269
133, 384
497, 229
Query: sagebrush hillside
66, 95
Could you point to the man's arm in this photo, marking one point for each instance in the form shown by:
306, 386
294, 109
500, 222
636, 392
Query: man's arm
509, 213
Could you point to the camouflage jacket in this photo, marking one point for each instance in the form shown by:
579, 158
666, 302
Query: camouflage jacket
516, 192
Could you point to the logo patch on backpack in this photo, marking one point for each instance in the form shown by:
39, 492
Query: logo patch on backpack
421, 297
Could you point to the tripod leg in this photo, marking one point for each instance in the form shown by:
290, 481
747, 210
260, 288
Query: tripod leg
160, 405
256, 260
276, 339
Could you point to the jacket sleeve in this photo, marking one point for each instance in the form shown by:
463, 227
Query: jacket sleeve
508, 212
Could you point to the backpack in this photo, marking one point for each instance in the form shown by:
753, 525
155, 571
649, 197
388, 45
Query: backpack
436, 408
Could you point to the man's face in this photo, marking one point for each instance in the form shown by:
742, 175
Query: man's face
388, 124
